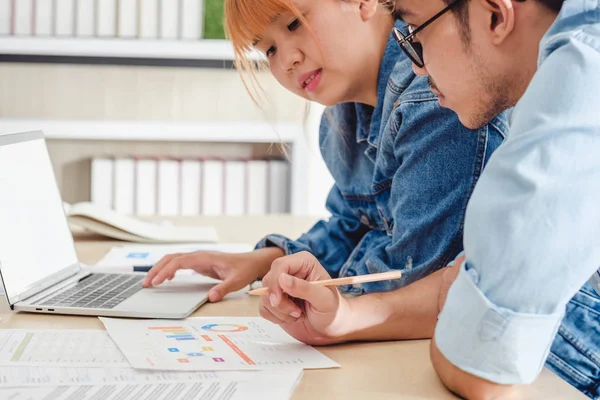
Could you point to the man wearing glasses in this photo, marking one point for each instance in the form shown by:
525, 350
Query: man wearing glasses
533, 222
526, 291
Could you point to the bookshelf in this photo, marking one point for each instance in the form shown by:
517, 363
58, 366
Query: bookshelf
204, 53
174, 131
117, 32
207, 132
204, 49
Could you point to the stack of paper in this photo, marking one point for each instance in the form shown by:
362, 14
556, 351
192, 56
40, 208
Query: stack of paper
230, 386
133, 358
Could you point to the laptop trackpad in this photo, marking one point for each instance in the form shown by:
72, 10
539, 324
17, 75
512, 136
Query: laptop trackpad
176, 296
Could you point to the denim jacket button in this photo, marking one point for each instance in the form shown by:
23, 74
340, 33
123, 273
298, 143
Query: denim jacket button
365, 220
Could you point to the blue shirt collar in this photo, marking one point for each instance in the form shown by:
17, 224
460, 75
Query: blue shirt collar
572, 15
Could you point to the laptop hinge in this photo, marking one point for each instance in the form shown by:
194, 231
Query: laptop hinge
47, 283
56, 287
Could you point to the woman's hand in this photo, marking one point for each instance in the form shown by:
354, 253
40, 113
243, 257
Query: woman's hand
235, 270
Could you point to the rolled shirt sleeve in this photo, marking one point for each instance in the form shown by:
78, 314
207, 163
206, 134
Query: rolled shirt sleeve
489, 341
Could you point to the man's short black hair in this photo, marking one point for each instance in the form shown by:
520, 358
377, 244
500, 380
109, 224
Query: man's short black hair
462, 13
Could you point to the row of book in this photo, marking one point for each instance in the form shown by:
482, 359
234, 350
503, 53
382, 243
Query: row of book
128, 19
169, 187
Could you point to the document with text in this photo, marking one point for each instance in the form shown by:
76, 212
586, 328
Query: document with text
20, 376
59, 348
242, 386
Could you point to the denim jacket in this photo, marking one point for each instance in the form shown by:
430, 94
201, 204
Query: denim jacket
403, 171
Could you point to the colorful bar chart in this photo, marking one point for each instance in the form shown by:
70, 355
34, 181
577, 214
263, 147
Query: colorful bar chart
178, 333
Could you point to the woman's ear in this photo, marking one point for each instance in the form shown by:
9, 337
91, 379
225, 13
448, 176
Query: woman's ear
368, 8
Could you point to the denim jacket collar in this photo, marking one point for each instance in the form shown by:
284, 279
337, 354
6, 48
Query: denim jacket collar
371, 131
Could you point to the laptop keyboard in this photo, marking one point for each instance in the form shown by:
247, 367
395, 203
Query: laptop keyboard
98, 291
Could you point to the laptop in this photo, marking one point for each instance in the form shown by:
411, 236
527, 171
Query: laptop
38, 264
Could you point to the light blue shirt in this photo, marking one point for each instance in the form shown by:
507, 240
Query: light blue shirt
532, 228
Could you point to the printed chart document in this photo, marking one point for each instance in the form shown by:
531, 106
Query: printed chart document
246, 386
211, 343
129, 256
59, 348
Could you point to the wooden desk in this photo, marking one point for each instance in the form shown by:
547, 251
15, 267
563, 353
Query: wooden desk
385, 370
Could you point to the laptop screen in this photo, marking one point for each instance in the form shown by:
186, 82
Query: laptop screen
35, 240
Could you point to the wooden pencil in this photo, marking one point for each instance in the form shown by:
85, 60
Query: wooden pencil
352, 280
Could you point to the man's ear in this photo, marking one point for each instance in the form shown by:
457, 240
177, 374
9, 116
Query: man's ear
368, 8
501, 18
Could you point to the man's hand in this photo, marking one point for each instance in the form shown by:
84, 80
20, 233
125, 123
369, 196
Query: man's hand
235, 270
310, 313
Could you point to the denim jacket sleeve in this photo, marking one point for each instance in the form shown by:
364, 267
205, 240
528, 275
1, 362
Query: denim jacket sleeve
330, 241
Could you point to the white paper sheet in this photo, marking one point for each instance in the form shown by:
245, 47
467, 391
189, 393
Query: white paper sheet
59, 348
22, 376
211, 343
125, 257
242, 386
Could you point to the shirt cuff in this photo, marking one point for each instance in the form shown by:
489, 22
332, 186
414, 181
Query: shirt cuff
491, 342
287, 245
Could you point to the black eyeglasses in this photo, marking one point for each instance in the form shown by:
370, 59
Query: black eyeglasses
413, 50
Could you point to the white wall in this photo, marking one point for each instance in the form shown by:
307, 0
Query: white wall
318, 175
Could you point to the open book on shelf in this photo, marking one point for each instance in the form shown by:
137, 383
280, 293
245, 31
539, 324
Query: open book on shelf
109, 223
